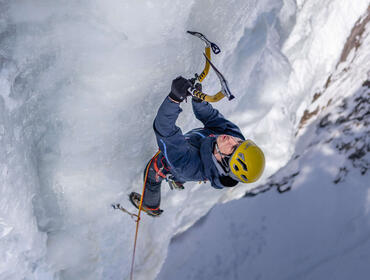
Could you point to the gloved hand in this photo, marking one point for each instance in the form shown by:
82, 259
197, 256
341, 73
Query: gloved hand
179, 89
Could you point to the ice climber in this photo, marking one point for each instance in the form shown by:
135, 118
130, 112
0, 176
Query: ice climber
218, 152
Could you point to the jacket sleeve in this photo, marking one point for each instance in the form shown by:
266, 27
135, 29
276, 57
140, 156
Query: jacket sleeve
214, 120
171, 141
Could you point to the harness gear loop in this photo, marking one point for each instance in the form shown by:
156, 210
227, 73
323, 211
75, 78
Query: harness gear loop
138, 215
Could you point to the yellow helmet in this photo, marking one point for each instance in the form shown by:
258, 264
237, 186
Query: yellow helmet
247, 162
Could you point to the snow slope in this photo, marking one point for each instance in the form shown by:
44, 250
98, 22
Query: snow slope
80, 83
316, 225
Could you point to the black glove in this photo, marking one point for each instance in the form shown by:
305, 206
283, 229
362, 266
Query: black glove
179, 89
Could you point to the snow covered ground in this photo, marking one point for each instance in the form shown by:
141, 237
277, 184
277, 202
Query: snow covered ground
80, 83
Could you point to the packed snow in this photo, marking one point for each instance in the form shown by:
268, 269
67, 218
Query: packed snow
80, 83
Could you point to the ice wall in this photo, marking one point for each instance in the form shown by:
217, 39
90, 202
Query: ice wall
80, 83
311, 219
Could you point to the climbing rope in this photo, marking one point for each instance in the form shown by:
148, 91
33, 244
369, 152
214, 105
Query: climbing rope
138, 216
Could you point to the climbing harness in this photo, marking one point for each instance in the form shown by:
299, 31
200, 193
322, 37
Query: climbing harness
169, 177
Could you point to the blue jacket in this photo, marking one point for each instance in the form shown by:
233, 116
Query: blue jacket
190, 156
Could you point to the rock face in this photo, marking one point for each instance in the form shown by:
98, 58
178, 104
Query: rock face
340, 117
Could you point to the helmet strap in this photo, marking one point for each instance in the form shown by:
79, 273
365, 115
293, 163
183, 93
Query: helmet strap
224, 162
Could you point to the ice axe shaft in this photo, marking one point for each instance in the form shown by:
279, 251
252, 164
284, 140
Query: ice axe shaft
224, 84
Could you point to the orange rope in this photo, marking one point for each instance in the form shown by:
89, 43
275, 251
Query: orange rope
138, 216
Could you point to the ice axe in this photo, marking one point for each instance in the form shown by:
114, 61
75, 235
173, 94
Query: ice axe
225, 90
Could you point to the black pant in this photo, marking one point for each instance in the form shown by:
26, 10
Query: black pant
152, 193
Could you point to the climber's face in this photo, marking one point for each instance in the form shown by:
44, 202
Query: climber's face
225, 146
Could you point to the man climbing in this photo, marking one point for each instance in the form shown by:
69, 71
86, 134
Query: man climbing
218, 152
